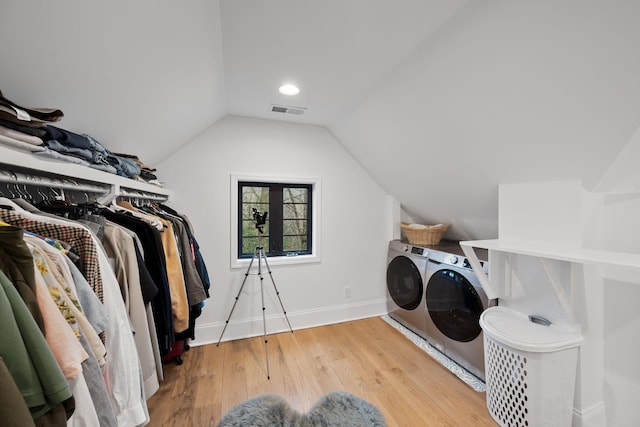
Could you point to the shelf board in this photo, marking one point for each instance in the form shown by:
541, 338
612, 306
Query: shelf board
577, 255
25, 159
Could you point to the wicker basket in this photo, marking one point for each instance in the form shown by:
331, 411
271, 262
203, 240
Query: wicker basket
430, 235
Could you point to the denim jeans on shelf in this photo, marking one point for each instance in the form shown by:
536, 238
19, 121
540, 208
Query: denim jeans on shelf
55, 145
67, 138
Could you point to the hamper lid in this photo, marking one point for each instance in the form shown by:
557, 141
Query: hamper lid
514, 329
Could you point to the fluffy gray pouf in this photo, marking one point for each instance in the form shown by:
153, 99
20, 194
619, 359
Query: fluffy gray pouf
335, 409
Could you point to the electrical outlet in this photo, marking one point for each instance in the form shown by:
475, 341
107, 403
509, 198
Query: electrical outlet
347, 291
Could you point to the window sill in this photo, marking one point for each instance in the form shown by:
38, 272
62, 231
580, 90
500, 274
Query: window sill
275, 261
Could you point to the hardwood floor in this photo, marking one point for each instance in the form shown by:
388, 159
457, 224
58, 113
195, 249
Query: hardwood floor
367, 358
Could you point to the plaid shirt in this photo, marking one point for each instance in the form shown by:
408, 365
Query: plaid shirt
80, 239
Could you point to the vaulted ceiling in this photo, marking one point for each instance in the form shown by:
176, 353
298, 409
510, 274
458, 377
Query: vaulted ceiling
336, 51
440, 101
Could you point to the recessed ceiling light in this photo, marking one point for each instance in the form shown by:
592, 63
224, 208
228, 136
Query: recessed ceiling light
289, 89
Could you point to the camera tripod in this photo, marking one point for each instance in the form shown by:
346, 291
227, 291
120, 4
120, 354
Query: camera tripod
259, 255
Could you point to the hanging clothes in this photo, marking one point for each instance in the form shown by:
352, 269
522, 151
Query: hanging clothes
59, 334
122, 371
17, 264
175, 276
14, 411
30, 361
65, 298
87, 295
78, 237
120, 248
195, 272
200, 265
154, 261
73, 355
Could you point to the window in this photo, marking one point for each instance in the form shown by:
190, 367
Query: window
285, 211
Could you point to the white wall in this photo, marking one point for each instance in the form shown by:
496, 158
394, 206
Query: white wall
141, 77
620, 232
623, 176
549, 212
622, 316
357, 218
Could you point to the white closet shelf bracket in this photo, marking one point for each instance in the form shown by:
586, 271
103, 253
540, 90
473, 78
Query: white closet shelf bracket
470, 253
561, 296
117, 191
111, 195
490, 290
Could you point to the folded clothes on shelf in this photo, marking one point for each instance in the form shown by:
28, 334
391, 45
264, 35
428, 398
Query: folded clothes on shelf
30, 129
12, 111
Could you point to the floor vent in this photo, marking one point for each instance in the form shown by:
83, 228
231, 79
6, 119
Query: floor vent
288, 110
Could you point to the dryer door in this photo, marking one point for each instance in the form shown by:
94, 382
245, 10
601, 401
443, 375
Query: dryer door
404, 283
454, 305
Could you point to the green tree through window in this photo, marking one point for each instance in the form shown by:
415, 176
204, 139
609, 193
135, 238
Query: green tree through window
287, 230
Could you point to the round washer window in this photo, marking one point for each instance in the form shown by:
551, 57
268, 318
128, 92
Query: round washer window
454, 305
404, 283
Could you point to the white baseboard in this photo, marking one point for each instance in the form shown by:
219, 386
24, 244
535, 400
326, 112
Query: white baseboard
209, 333
594, 416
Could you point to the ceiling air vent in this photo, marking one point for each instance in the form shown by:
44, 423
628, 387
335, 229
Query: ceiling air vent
287, 110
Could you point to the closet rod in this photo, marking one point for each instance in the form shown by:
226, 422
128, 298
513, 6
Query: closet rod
18, 178
142, 195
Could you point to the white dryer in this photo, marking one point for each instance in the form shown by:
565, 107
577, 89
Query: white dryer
406, 269
454, 301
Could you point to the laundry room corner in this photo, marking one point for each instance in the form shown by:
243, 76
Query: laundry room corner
570, 256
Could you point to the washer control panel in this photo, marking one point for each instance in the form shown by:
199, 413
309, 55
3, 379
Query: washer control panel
417, 250
451, 259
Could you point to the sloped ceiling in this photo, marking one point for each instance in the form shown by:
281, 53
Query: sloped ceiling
141, 77
336, 51
440, 101
505, 92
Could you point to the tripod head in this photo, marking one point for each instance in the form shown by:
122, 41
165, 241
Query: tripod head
260, 219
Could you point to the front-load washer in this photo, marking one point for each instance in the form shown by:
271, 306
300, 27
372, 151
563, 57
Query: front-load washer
454, 301
406, 269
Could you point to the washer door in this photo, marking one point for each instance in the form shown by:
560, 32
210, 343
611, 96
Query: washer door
454, 305
404, 283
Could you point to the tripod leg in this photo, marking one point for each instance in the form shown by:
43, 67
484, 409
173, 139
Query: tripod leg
226, 323
264, 321
276, 289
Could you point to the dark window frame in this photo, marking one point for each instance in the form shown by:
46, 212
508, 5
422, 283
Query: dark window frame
275, 218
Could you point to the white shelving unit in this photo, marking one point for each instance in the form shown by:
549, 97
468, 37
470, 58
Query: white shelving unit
540, 265
582, 306
543, 251
114, 185
579, 255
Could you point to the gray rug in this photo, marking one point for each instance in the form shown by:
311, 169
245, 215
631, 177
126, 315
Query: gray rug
335, 409
471, 380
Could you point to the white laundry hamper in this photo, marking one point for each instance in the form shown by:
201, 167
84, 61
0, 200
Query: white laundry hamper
530, 369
